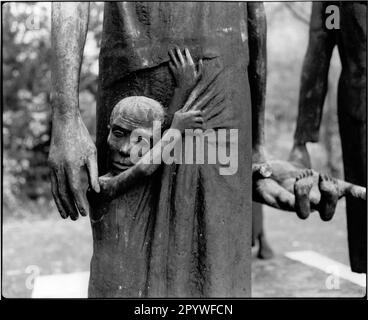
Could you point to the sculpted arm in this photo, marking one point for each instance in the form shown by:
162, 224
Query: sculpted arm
257, 30
72, 150
112, 187
314, 82
265, 191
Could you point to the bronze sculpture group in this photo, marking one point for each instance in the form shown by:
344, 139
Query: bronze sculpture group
171, 230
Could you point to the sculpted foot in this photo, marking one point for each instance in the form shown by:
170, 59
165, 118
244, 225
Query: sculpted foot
303, 185
329, 196
265, 252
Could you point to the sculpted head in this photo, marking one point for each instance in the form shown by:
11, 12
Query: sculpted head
135, 113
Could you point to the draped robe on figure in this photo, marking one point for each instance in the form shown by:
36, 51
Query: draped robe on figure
185, 231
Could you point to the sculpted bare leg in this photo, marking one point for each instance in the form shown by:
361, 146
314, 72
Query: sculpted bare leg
265, 252
302, 187
329, 196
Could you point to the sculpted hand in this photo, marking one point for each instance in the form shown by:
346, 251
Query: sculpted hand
184, 70
267, 190
72, 152
187, 120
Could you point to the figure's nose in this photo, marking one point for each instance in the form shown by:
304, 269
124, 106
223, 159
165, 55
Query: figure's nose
125, 148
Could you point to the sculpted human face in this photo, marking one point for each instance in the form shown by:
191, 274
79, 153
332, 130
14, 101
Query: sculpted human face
121, 143
131, 125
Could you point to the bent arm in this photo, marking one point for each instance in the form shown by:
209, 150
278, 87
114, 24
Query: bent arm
257, 30
314, 78
112, 187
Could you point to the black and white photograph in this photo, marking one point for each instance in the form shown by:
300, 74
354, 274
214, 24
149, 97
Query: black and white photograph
189, 150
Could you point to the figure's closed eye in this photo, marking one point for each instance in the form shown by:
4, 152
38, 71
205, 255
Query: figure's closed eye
119, 132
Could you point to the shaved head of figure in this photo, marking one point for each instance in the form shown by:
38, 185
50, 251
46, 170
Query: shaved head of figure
137, 111
132, 114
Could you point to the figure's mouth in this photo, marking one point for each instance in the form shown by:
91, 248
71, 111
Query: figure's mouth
121, 166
